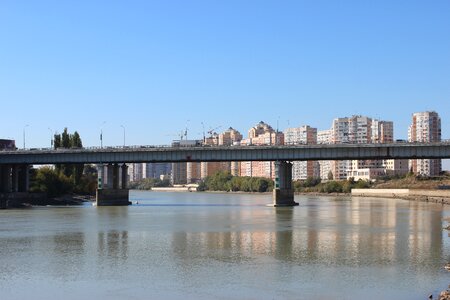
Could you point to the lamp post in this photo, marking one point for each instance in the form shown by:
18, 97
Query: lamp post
24, 135
101, 134
51, 137
123, 127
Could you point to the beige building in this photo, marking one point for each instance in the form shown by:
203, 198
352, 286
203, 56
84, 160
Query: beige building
260, 134
229, 137
425, 128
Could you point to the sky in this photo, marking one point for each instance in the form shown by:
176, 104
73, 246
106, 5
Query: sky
152, 69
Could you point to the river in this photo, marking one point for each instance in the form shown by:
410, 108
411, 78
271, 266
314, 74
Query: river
226, 246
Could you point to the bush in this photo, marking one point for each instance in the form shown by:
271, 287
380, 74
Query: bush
224, 181
54, 183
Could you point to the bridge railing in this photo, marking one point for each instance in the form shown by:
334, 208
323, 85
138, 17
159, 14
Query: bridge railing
145, 147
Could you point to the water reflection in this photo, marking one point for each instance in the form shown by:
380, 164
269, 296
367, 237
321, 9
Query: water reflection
112, 237
351, 233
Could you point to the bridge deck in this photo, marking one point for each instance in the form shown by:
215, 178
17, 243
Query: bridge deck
233, 153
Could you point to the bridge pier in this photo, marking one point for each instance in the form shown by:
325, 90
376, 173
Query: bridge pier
5, 179
124, 176
283, 193
14, 185
109, 191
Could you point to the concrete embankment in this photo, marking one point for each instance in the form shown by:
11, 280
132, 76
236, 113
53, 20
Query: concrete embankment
175, 189
435, 196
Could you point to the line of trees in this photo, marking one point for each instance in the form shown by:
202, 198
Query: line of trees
315, 185
224, 181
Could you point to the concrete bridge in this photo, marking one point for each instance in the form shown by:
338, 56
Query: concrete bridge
14, 165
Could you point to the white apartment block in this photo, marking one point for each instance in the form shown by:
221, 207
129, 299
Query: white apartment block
353, 130
325, 137
425, 127
303, 135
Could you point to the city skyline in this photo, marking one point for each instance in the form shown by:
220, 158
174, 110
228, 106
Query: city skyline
155, 69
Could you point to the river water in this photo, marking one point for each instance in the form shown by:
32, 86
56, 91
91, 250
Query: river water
225, 246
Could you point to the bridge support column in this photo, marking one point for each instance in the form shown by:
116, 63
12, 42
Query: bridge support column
24, 178
108, 189
283, 193
100, 176
109, 176
115, 179
124, 176
15, 178
5, 178
14, 182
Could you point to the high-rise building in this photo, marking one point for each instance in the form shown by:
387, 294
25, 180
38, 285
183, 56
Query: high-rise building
352, 130
135, 172
324, 137
301, 170
261, 134
425, 128
156, 170
383, 132
360, 130
229, 137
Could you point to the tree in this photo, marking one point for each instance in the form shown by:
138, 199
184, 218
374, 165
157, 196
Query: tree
67, 141
330, 175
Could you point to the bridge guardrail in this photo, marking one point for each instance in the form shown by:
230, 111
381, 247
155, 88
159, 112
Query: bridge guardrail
145, 147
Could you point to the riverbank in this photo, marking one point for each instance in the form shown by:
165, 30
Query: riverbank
435, 196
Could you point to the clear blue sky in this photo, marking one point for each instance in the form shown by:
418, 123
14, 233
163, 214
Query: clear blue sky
153, 65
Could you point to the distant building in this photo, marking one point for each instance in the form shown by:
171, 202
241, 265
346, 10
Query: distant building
324, 137
360, 130
383, 132
425, 127
229, 137
304, 135
352, 130
184, 172
261, 134
7, 144
156, 170
368, 174
135, 172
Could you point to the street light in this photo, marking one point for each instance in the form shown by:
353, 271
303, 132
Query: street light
51, 137
24, 135
101, 134
123, 135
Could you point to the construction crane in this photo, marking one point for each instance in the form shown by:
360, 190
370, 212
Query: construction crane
212, 131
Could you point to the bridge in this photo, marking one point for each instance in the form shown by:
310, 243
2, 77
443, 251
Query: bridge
14, 165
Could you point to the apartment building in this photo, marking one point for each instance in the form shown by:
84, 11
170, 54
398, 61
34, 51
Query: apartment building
425, 127
303, 135
260, 134
325, 137
229, 137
